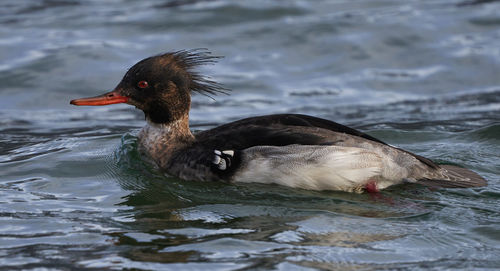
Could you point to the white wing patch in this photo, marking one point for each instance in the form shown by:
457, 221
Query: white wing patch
311, 167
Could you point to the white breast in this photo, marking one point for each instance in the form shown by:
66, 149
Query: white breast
317, 167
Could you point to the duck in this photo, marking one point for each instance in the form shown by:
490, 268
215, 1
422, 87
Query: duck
294, 150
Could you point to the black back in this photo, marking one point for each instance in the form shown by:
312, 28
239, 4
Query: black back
280, 130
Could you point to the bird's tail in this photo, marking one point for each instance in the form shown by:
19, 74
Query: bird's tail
453, 177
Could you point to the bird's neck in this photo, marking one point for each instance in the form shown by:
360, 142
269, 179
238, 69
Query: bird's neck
161, 140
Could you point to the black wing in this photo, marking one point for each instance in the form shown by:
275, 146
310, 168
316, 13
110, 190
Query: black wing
281, 130
283, 120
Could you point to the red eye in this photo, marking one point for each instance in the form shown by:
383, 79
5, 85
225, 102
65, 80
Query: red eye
143, 84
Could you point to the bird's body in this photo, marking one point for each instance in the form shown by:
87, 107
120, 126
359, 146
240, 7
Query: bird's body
293, 150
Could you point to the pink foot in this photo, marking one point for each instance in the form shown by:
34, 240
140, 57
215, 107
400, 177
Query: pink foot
372, 189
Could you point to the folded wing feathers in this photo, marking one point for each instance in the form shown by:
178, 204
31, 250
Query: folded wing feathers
311, 167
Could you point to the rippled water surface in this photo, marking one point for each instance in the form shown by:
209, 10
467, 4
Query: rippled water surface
75, 194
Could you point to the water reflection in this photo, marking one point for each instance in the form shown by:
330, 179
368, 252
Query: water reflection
173, 221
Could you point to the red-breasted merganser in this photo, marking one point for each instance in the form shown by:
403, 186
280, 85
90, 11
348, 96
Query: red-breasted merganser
288, 149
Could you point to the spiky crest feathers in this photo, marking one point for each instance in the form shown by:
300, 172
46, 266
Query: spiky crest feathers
188, 60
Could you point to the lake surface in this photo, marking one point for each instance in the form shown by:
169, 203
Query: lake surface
76, 195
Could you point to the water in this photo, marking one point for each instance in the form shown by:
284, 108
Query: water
75, 194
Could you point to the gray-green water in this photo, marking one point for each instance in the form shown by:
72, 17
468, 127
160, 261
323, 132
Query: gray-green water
74, 193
